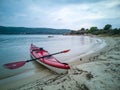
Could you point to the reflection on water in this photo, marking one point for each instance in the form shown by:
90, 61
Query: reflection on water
16, 48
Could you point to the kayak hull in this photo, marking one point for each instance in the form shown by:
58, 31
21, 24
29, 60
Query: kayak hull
54, 69
49, 62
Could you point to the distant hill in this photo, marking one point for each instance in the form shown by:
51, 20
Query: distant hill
24, 30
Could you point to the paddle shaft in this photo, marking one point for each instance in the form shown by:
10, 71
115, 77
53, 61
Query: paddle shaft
15, 65
44, 56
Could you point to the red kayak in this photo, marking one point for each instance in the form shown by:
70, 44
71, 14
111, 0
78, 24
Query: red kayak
50, 62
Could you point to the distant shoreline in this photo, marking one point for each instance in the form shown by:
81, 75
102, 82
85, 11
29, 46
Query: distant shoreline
25, 30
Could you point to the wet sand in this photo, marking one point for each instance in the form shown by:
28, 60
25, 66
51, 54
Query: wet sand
95, 71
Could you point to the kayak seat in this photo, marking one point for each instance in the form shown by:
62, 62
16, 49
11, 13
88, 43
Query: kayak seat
41, 49
65, 63
49, 56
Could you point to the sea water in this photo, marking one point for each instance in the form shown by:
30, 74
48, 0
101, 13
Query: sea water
17, 48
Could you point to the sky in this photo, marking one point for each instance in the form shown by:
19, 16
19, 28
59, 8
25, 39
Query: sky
60, 14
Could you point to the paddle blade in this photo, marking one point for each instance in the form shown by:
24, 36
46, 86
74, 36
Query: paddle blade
14, 65
65, 51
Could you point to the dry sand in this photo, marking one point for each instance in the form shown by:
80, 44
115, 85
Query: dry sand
96, 71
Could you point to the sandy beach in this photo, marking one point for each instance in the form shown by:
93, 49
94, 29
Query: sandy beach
95, 71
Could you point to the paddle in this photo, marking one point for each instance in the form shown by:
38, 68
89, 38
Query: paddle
15, 65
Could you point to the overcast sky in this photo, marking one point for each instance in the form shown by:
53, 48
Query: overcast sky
69, 14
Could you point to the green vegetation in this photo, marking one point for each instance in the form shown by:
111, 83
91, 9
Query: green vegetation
107, 30
24, 30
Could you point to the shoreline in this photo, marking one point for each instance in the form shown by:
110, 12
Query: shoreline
100, 69
88, 57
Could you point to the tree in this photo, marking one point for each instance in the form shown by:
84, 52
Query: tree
82, 29
107, 27
93, 29
73, 32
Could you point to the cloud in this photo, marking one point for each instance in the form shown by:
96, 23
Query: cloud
86, 14
73, 14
